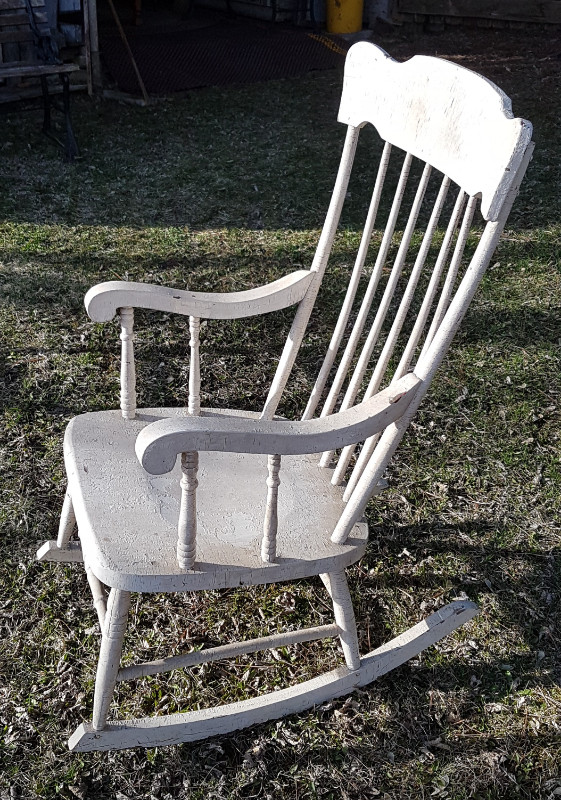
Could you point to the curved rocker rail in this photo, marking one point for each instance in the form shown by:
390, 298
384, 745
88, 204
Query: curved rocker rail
194, 725
103, 301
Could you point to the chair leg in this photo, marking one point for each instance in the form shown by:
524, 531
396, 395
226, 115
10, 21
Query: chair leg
46, 105
70, 146
99, 596
67, 524
338, 588
110, 655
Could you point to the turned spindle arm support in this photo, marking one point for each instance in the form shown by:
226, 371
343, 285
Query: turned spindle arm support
158, 445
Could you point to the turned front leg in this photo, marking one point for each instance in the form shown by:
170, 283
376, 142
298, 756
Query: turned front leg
338, 588
99, 596
110, 655
187, 526
271, 523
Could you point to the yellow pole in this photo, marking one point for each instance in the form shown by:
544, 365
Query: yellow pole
344, 16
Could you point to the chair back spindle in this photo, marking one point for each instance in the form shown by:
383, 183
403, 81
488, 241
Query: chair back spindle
350, 295
398, 321
427, 366
319, 264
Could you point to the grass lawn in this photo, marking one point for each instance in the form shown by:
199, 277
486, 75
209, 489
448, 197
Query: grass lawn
222, 190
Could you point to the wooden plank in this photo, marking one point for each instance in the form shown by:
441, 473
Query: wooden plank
19, 18
12, 5
548, 11
10, 51
23, 34
103, 300
35, 70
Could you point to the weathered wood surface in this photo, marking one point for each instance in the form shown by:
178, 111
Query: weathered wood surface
10, 5
158, 445
112, 493
344, 616
103, 300
35, 70
99, 596
414, 105
18, 53
67, 524
233, 650
50, 551
194, 725
114, 627
194, 403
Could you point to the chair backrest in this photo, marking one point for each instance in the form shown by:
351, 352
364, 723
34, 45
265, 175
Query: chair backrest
459, 149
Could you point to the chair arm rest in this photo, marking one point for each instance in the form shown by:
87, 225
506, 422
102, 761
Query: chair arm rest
158, 444
103, 300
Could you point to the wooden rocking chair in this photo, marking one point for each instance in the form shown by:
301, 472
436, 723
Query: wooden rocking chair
142, 524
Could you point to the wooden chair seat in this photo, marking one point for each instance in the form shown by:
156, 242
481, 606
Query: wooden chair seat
127, 518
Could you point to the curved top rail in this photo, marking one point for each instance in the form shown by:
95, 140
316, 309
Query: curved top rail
446, 115
103, 300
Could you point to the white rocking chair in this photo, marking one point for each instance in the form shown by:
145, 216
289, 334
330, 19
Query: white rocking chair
142, 524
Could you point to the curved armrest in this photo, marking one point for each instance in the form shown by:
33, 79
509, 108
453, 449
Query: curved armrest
103, 300
158, 444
